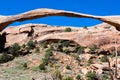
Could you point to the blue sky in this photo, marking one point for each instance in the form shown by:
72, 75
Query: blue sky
96, 7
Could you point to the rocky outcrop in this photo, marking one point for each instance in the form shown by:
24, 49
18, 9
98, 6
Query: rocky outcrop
99, 35
39, 13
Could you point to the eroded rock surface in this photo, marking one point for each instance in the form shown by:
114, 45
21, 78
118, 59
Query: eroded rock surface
99, 35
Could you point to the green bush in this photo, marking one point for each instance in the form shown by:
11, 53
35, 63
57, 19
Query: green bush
103, 58
89, 62
79, 49
14, 49
23, 46
105, 77
25, 65
78, 77
76, 56
67, 78
44, 44
42, 67
85, 27
57, 74
92, 47
66, 51
65, 43
48, 53
68, 67
68, 29
45, 60
31, 44
47, 57
91, 75
5, 58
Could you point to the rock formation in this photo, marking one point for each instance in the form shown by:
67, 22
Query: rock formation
38, 13
102, 35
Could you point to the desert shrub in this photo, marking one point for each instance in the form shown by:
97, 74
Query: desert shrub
48, 52
44, 44
76, 56
14, 49
79, 49
66, 43
57, 75
105, 77
91, 75
35, 68
89, 62
78, 77
67, 78
31, 44
47, 57
23, 46
68, 67
68, 29
103, 58
22, 65
25, 65
45, 60
66, 51
85, 27
37, 50
5, 58
42, 66
92, 48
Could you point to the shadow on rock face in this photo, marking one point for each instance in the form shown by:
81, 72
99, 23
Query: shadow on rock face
31, 32
2, 41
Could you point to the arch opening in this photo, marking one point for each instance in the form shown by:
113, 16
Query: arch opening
61, 21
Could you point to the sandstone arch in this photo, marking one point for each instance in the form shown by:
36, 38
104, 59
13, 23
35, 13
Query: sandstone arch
38, 13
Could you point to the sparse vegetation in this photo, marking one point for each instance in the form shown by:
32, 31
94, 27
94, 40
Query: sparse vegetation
105, 77
91, 75
68, 29
5, 57
31, 44
78, 77
68, 67
23, 46
104, 58
76, 56
25, 65
79, 49
37, 50
89, 62
67, 78
47, 57
53, 63
43, 44
92, 48
57, 75
42, 66
66, 51
14, 49
85, 27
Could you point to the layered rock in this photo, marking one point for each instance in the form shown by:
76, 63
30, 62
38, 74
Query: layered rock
99, 35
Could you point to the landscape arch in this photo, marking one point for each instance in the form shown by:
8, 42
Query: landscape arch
39, 13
